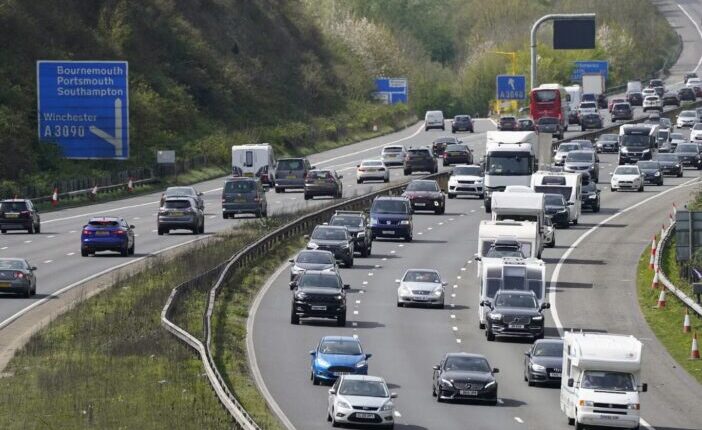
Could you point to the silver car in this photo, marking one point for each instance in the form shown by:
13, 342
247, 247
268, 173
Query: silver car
372, 170
184, 192
421, 286
582, 161
393, 155
562, 152
362, 400
180, 213
17, 276
312, 260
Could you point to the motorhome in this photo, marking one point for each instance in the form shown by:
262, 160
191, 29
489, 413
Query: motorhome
510, 159
569, 185
601, 380
256, 160
637, 142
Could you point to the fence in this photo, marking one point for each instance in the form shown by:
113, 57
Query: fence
238, 261
663, 279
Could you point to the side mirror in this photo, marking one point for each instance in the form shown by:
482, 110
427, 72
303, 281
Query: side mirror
341, 176
200, 193
546, 305
611, 173
33, 268
527, 353
571, 382
293, 285
307, 237
292, 260
347, 286
644, 387
332, 391
495, 370
571, 203
313, 352
132, 227
483, 303
397, 281
436, 367
368, 356
476, 257
358, 165
443, 284
393, 395
312, 167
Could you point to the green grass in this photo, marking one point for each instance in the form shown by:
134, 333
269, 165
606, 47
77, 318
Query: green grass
667, 323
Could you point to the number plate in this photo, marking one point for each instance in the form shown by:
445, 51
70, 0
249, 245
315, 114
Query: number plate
4, 285
240, 199
388, 232
361, 415
609, 417
468, 393
319, 308
176, 213
11, 215
516, 326
248, 174
420, 204
421, 298
291, 177
102, 233
554, 375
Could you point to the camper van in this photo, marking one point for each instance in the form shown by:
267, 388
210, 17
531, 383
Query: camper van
601, 380
256, 160
569, 185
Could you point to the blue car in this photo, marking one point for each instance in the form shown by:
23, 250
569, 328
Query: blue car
337, 355
391, 217
107, 234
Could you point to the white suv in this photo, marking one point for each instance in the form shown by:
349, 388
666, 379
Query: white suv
652, 102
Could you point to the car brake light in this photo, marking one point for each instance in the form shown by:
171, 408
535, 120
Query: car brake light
19, 275
87, 232
24, 214
119, 232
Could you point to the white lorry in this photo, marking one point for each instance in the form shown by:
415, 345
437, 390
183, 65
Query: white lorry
255, 160
510, 159
601, 380
524, 274
569, 185
593, 83
576, 95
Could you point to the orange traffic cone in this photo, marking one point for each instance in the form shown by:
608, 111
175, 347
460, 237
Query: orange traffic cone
54, 197
652, 260
675, 209
686, 322
654, 284
662, 230
130, 185
671, 219
695, 351
661, 299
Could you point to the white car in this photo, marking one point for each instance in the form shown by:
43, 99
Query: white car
586, 108
549, 232
648, 92
627, 178
693, 82
421, 286
675, 140
466, 180
563, 150
652, 102
686, 118
361, 399
393, 155
374, 170
696, 132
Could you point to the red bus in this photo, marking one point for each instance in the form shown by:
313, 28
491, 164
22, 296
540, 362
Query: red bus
549, 100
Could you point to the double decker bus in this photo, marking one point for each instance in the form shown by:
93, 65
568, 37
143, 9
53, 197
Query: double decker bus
550, 100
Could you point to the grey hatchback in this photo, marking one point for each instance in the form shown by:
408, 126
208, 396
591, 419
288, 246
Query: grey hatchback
291, 173
244, 196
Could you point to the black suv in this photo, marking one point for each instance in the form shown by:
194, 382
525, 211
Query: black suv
507, 123
19, 214
357, 225
335, 239
622, 111
420, 160
318, 294
589, 194
515, 314
635, 98
462, 123
438, 146
687, 94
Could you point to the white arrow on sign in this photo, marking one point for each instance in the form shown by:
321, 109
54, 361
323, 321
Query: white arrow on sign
115, 140
510, 82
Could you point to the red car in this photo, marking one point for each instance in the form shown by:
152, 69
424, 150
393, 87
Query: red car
612, 102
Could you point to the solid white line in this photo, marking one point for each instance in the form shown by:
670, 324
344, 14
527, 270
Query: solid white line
4, 247
493, 122
645, 423
697, 27
71, 253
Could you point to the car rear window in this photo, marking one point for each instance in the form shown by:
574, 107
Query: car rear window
318, 174
176, 204
392, 149
13, 206
239, 186
456, 148
12, 264
100, 223
419, 153
422, 186
180, 191
291, 165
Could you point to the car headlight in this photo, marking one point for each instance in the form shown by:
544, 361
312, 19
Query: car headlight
445, 383
404, 291
300, 295
479, 181
374, 220
537, 367
537, 318
592, 196
342, 404
657, 174
312, 245
646, 150
388, 406
624, 149
362, 363
489, 384
589, 403
404, 222
677, 166
297, 269
322, 362
361, 234
438, 291
339, 297
562, 211
345, 246
633, 406
495, 316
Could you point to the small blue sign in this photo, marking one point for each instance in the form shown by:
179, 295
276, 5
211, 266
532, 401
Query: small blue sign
83, 106
391, 90
589, 67
511, 87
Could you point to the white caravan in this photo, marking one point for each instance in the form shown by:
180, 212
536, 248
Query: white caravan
524, 232
601, 380
569, 185
521, 207
257, 160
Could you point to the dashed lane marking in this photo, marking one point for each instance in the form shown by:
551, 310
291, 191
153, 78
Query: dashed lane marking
500, 401
454, 328
463, 269
458, 340
27, 241
519, 420
4, 248
51, 236
48, 261
71, 253
355, 312
453, 316
365, 282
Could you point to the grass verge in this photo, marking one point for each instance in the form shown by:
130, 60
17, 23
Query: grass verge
108, 363
667, 323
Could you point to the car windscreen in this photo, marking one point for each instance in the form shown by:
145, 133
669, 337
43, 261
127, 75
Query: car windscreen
580, 156
635, 140
291, 165
554, 200
328, 234
421, 276
392, 149
372, 164
515, 301
319, 174
686, 147
606, 380
12, 264
626, 171
609, 137
591, 116
100, 223
504, 252
554, 189
467, 171
456, 148
239, 186
648, 165
315, 258
361, 388
509, 164
340, 347
180, 191
13, 206
469, 364
347, 221
548, 349
688, 114
176, 204
588, 105
667, 157
676, 136
422, 186
548, 120
312, 280
446, 140
390, 207
567, 147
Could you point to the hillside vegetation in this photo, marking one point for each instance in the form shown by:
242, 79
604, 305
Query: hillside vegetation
206, 74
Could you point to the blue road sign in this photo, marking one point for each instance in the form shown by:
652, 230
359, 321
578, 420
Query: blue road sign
589, 67
83, 106
511, 87
391, 90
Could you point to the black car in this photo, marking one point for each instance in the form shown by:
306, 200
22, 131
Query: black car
318, 294
526, 124
601, 101
670, 99
462, 123
17, 276
689, 155
670, 164
425, 195
653, 83
309, 259
557, 209
589, 194
464, 376
357, 225
660, 91
515, 314
551, 125
438, 146
507, 123
590, 121
651, 171
687, 94
19, 214
419, 160
622, 111
457, 154
335, 239
607, 143
634, 98
543, 362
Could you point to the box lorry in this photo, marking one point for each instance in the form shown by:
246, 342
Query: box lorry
601, 380
594, 83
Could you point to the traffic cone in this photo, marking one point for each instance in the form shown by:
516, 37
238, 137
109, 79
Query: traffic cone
675, 209
54, 197
662, 231
661, 299
654, 284
94, 191
652, 259
130, 185
686, 323
671, 219
695, 351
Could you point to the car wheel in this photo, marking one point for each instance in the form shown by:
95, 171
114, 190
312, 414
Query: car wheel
279, 190
438, 396
453, 130
3, 231
160, 230
407, 172
84, 252
408, 238
294, 318
571, 421
481, 326
441, 305
132, 249
493, 402
579, 426
315, 380
265, 212
364, 252
34, 290
124, 251
553, 243
612, 189
38, 228
30, 230
575, 221
444, 163
341, 320
334, 423
359, 181
28, 293
400, 305
679, 175
307, 197
349, 263
386, 179
451, 196
641, 188
489, 335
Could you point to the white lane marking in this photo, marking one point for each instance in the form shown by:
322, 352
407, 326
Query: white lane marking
566, 254
385, 259
362, 291
27, 241
429, 228
355, 312
136, 217
492, 121
370, 273
500, 401
463, 269
453, 295
51, 236
136, 234
470, 261
458, 277
519, 420
73, 231
48, 261
441, 223
450, 219
4, 248
401, 245
358, 302
458, 340
455, 285
377, 266
452, 305
645, 423
472, 211
365, 282
454, 328
699, 32
392, 252
354, 324
397, 414
355, 336
71, 253
212, 216
154, 231
420, 233
453, 316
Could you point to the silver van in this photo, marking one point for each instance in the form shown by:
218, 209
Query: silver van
434, 119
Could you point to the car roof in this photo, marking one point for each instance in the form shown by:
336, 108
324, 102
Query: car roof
314, 251
331, 227
433, 181
14, 200
464, 354
12, 259
550, 340
404, 199
581, 151
362, 378
319, 273
394, 146
374, 160
414, 269
341, 338
180, 188
105, 218
241, 178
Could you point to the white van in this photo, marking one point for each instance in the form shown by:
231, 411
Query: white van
569, 185
434, 119
257, 160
